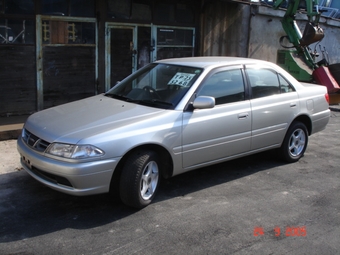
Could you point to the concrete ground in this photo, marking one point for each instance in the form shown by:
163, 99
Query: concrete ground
253, 205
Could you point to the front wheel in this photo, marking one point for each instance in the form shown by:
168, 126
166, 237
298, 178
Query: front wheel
295, 143
140, 179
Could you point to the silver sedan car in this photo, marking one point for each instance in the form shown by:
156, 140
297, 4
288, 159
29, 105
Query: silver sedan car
168, 118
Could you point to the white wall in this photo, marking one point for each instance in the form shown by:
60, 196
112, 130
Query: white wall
266, 30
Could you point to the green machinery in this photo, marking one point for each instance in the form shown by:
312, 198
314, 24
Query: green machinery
300, 61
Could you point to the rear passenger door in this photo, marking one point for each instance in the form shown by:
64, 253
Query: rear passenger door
211, 135
274, 104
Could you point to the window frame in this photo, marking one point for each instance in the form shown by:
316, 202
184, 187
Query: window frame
224, 69
289, 84
278, 76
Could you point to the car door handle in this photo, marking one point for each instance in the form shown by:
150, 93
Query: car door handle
292, 105
242, 116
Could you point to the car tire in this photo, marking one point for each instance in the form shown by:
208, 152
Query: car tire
295, 142
140, 179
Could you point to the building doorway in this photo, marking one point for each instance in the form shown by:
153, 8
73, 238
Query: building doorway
132, 46
127, 49
66, 49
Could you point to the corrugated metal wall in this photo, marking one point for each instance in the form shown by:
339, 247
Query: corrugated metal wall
17, 79
69, 74
225, 29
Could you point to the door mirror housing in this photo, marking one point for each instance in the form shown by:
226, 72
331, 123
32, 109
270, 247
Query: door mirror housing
204, 102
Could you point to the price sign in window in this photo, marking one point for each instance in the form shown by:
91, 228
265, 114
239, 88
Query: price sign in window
181, 79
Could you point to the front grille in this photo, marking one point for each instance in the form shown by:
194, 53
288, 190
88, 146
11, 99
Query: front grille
34, 142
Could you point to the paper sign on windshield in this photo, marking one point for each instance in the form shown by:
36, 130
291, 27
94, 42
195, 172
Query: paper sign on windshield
181, 79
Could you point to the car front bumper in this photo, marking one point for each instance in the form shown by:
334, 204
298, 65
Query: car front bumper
74, 178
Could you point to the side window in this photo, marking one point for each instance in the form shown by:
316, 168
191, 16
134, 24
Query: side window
225, 86
285, 86
263, 82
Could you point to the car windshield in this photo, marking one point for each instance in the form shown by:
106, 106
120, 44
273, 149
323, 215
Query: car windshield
156, 85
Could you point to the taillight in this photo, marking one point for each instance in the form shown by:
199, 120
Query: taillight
327, 97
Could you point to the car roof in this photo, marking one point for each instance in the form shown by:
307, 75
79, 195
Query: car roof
204, 62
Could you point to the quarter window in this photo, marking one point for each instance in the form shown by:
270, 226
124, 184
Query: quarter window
285, 87
225, 86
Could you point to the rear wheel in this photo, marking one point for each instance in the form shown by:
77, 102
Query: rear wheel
140, 179
295, 143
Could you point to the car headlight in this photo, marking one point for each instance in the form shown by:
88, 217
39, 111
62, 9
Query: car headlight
74, 151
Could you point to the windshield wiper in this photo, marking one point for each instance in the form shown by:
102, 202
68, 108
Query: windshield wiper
162, 102
149, 102
120, 97
154, 102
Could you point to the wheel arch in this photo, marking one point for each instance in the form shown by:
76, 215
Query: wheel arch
165, 159
306, 121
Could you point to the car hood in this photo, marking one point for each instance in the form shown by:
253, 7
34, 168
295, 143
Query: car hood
72, 122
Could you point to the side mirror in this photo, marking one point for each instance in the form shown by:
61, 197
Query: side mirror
204, 102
